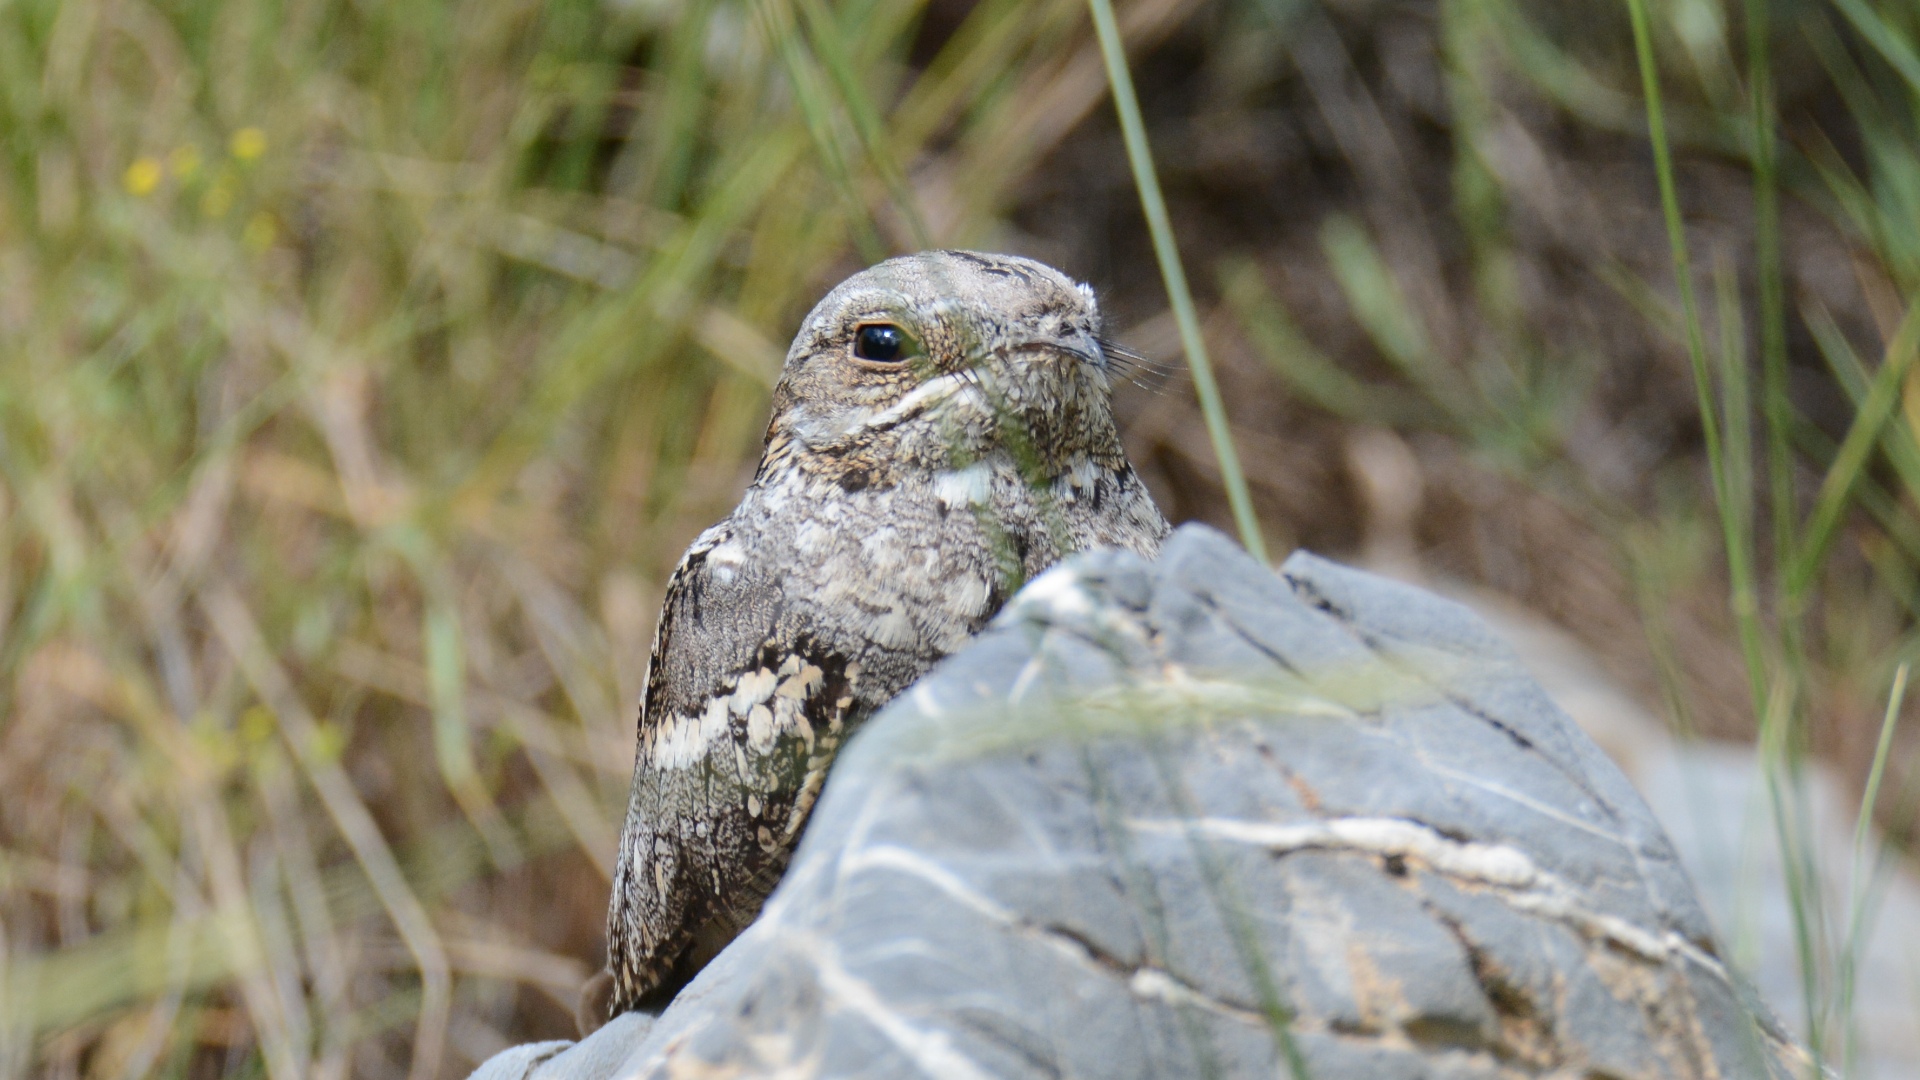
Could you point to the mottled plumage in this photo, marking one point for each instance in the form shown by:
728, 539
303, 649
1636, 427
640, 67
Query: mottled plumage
901, 499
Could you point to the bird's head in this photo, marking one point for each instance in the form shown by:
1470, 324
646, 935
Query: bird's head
949, 355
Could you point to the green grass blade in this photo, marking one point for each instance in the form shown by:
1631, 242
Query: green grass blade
1857, 920
1381, 308
1885, 40
777, 23
1772, 289
658, 162
452, 739
825, 33
1231, 905
986, 46
1773, 689
1733, 530
1308, 372
1877, 772
1830, 505
599, 341
1898, 443
1736, 415
1140, 158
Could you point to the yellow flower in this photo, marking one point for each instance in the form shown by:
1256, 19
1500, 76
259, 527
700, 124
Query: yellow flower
259, 232
184, 161
142, 176
248, 143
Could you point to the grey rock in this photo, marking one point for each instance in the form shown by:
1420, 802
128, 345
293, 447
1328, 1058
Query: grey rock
600, 1056
519, 1062
1189, 818
1715, 801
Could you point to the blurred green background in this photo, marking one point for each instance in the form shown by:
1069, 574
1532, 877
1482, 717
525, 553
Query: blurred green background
365, 367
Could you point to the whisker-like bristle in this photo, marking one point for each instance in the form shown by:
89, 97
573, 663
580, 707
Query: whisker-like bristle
1129, 358
1142, 371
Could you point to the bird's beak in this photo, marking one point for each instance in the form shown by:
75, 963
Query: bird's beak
1091, 351
1082, 346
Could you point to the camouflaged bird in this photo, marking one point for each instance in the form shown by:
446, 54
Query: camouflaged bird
942, 431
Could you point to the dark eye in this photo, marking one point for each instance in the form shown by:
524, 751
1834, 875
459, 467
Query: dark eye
882, 343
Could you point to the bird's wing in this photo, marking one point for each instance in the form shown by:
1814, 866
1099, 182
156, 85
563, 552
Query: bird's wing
742, 714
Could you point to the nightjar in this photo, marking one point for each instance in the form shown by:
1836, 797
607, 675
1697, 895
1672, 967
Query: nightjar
942, 431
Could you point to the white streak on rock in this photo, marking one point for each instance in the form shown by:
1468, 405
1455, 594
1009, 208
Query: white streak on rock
924, 702
1523, 884
1529, 802
1156, 985
894, 857
932, 1052
1494, 864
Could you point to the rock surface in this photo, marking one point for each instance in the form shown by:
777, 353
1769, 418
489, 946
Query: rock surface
1715, 802
1193, 819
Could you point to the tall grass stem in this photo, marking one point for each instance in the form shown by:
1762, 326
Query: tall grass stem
1140, 159
1864, 869
1734, 531
1772, 288
1772, 688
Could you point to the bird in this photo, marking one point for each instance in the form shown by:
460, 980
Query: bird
942, 431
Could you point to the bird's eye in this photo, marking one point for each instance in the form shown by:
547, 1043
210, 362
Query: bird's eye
883, 343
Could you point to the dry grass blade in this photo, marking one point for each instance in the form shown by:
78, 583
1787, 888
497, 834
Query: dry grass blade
551, 752
241, 636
